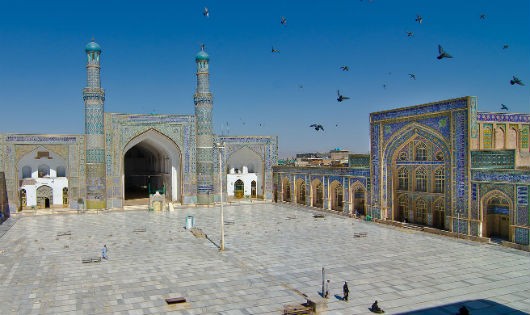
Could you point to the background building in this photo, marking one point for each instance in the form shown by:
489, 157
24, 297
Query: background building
124, 158
441, 165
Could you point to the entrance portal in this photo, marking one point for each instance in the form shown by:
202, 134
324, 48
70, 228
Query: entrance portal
151, 163
498, 218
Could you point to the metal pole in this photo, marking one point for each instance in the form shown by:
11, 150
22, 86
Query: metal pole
222, 246
323, 282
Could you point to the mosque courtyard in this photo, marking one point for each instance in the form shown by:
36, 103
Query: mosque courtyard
274, 255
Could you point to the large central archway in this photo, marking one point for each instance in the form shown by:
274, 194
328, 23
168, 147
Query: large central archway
151, 162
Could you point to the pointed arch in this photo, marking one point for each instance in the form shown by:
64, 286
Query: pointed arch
286, 189
160, 163
336, 191
317, 193
499, 138
511, 138
300, 191
438, 213
497, 213
358, 197
420, 214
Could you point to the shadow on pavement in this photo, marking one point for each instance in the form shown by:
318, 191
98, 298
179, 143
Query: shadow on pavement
475, 307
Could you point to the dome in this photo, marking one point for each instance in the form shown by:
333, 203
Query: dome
92, 46
202, 55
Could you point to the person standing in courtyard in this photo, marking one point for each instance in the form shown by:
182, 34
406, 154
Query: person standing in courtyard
104, 252
345, 291
326, 293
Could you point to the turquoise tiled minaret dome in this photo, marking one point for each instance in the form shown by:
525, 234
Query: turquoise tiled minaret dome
203, 115
94, 98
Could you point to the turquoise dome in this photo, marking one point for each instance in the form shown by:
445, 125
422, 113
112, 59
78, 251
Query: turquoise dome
202, 55
92, 46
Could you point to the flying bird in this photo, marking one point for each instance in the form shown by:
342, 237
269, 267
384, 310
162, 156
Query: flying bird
482, 16
419, 18
505, 46
442, 53
504, 107
317, 127
300, 86
412, 76
410, 34
275, 50
384, 86
345, 68
517, 81
284, 20
206, 12
341, 97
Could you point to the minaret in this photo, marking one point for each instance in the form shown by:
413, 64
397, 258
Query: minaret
203, 115
94, 98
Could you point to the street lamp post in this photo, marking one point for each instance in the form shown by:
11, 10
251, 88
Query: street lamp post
220, 146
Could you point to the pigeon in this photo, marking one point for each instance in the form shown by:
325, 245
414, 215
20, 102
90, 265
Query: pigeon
340, 97
317, 127
345, 68
284, 20
410, 34
275, 50
419, 19
505, 46
206, 12
504, 107
516, 80
482, 16
412, 76
442, 53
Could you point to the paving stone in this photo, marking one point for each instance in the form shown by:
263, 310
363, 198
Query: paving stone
269, 262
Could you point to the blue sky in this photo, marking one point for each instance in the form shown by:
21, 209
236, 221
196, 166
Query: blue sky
149, 48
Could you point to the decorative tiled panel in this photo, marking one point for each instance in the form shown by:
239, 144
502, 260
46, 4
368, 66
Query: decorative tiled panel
41, 139
508, 189
502, 117
460, 159
522, 215
522, 195
524, 136
473, 117
374, 160
501, 176
521, 236
487, 136
95, 156
439, 123
493, 159
420, 109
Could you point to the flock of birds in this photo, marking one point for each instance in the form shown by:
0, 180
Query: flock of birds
442, 54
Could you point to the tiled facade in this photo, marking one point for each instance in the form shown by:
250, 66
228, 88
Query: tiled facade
442, 164
95, 161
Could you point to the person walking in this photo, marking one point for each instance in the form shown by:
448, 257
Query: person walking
345, 291
326, 293
104, 252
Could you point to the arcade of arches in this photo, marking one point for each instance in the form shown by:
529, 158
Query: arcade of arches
331, 197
